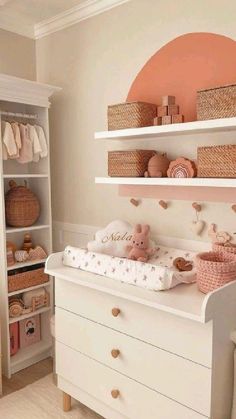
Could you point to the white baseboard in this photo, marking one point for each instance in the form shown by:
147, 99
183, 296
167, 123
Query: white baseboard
79, 235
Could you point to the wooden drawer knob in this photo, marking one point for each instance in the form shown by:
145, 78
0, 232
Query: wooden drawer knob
115, 311
115, 353
115, 394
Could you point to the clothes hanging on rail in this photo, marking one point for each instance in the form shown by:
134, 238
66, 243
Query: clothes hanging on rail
23, 142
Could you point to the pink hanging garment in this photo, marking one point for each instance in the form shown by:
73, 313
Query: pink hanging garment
42, 140
26, 151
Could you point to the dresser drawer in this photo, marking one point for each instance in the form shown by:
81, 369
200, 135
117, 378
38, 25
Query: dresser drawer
134, 400
172, 333
171, 375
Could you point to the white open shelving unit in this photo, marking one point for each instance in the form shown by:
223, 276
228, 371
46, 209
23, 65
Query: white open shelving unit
28, 102
157, 134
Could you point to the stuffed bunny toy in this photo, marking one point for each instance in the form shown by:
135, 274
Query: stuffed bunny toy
139, 248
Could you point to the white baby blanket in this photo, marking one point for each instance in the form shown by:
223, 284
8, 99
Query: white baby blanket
158, 274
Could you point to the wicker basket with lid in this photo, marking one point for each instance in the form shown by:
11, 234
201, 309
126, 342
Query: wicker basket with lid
22, 206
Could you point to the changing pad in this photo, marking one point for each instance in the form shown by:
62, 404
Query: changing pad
158, 274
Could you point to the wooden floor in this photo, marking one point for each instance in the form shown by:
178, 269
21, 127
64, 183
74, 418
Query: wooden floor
27, 376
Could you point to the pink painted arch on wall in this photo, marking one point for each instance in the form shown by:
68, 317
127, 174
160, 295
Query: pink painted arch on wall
190, 62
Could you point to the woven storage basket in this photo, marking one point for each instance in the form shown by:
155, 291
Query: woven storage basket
131, 115
217, 161
215, 270
132, 163
219, 102
27, 279
22, 206
220, 248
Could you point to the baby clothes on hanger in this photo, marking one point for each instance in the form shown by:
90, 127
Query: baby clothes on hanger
8, 140
37, 150
17, 137
16, 132
26, 151
42, 140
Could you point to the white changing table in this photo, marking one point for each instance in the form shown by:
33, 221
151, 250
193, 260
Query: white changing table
126, 352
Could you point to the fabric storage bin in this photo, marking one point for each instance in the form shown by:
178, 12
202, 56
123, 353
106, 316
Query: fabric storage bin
19, 279
215, 270
131, 115
217, 161
219, 247
132, 163
14, 338
218, 102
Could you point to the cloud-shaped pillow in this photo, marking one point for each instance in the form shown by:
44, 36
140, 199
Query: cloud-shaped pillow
113, 239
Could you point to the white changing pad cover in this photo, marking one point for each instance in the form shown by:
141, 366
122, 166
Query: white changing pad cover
157, 275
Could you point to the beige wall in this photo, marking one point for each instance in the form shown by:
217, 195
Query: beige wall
95, 63
17, 55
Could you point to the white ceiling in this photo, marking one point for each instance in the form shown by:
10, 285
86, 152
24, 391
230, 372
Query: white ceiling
36, 18
35, 10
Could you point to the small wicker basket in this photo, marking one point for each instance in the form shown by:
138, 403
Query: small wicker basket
218, 102
131, 163
131, 115
22, 279
217, 161
22, 206
215, 270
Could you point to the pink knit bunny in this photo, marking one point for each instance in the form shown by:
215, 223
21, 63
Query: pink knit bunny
139, 248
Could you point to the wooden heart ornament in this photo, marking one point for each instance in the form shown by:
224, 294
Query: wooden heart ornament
197, 227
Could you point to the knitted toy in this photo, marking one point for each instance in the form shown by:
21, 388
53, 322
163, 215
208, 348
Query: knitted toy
139, 249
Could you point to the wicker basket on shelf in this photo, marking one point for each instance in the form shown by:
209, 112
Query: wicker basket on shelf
131, 115
26, 278
218, 102
217, 161
22, 206
215, 270
131, 163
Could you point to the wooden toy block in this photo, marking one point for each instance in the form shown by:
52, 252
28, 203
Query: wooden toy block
157, 120
166, 120
173, 109
162, 111
177, 119
168, 100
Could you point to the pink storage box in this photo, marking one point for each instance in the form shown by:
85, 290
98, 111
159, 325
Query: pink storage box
14, 338
30, 331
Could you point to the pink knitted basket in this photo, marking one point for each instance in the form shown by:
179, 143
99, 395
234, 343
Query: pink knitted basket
219, 247
214, 270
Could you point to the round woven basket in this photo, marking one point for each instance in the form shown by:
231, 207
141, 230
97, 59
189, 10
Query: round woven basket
215, 270
22, 206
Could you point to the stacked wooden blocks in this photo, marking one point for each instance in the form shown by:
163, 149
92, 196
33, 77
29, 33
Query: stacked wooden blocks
168, 112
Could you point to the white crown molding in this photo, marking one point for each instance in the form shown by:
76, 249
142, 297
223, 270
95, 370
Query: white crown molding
25, 91
84, 10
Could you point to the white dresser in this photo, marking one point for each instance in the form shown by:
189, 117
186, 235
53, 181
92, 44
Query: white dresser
126, 352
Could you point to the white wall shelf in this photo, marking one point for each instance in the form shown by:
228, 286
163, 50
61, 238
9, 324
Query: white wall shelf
165, 181
35, 287
25, 264
153, 132
25, 176
34, 227
28, 315
29, 355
